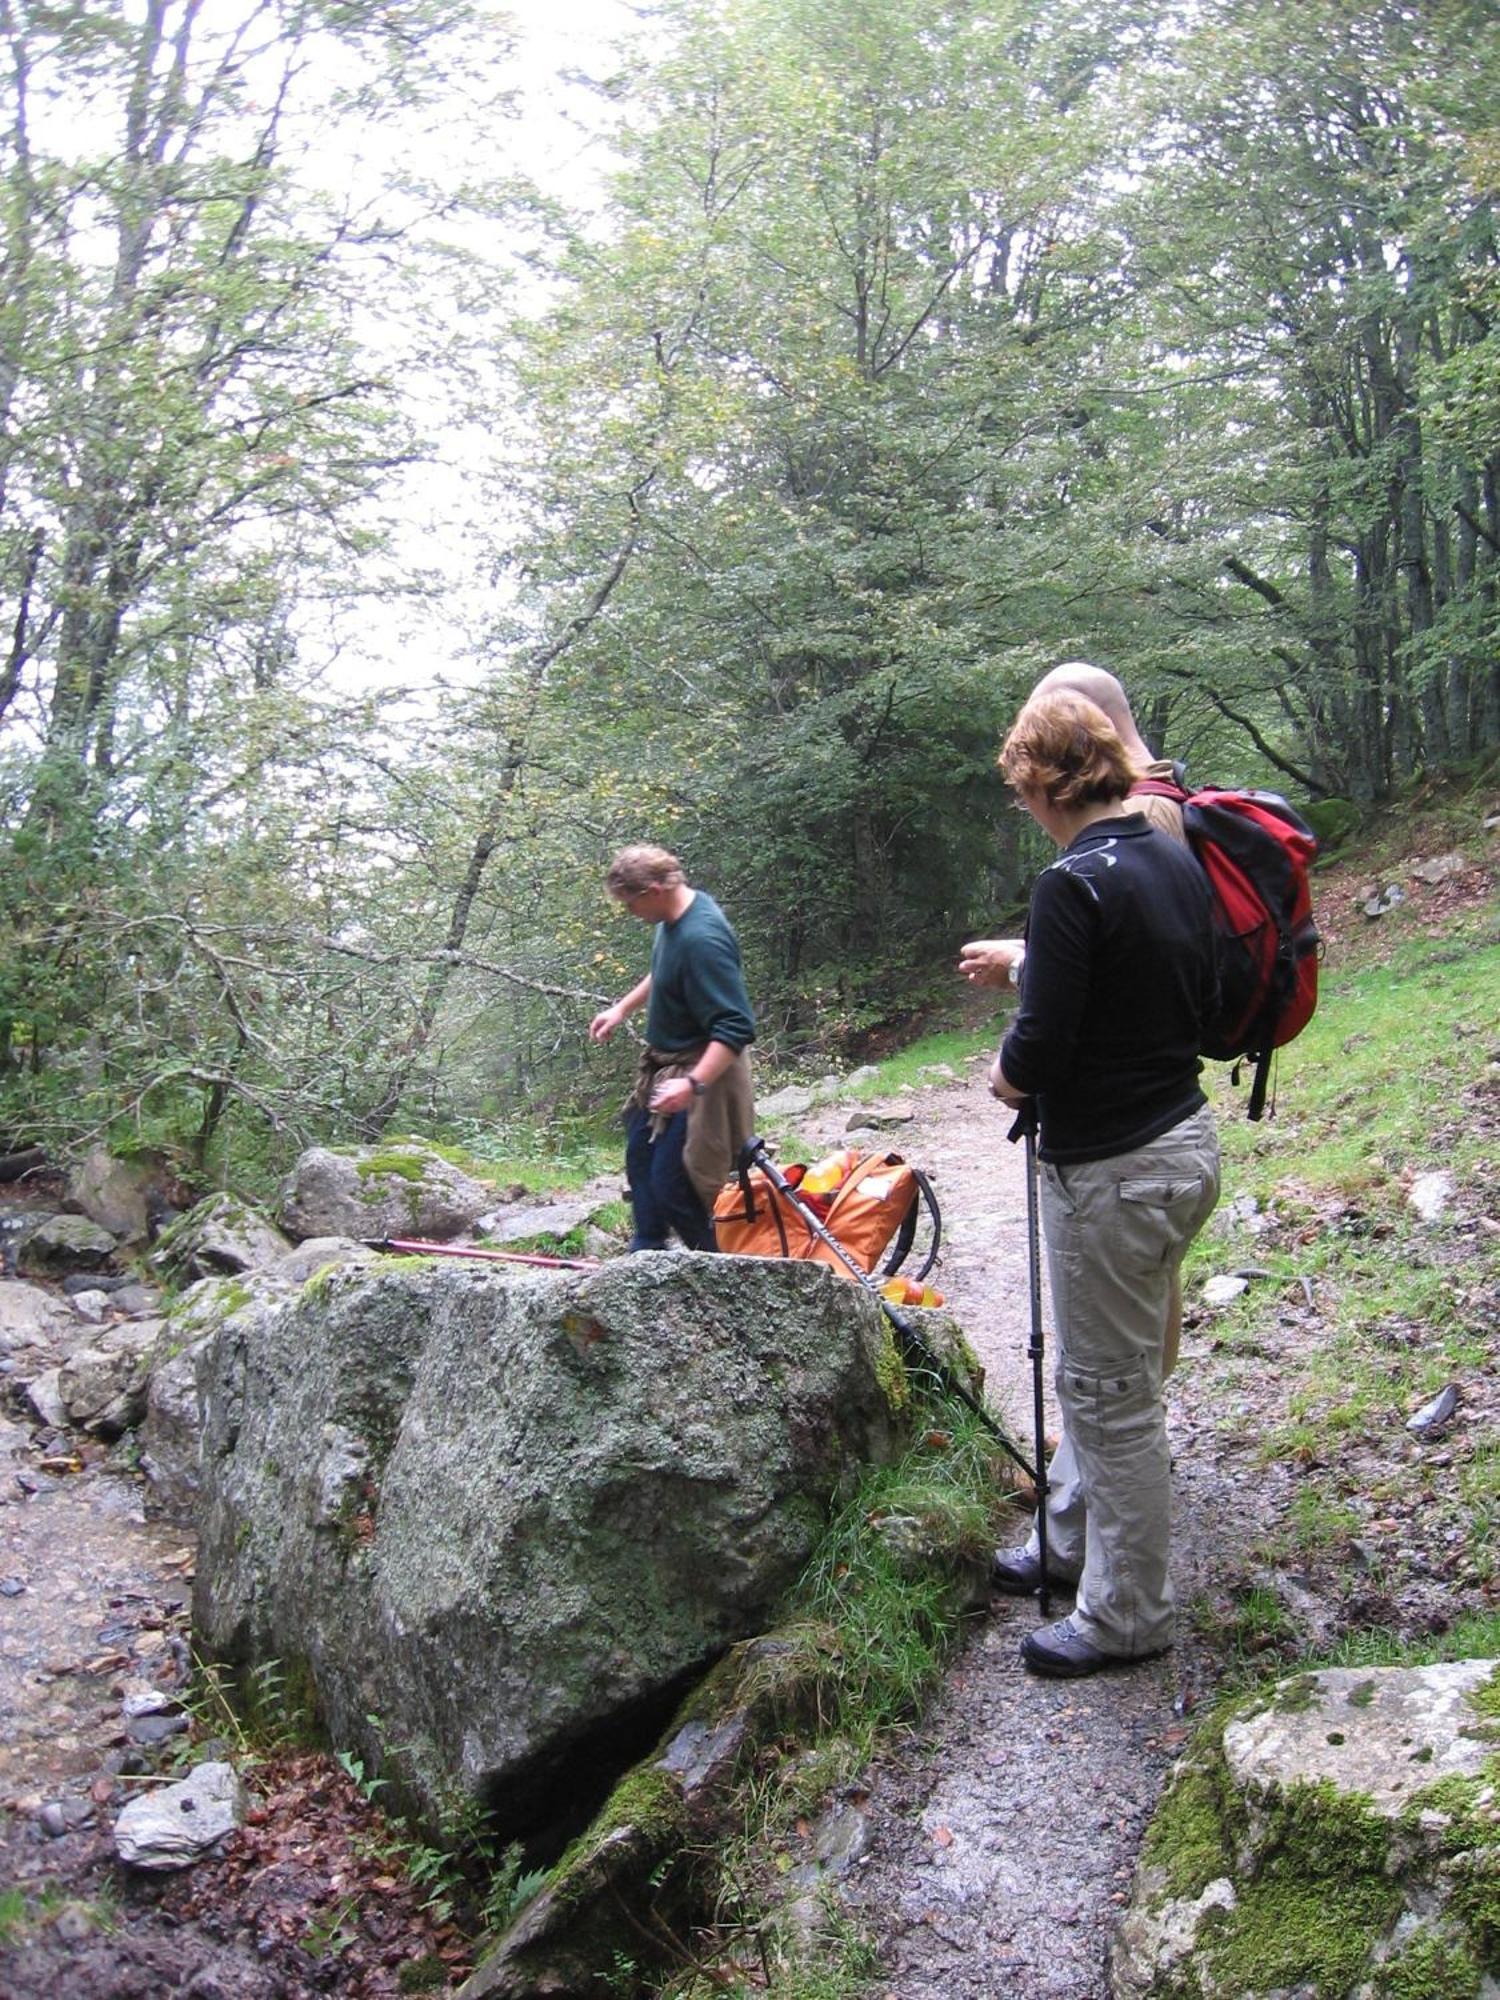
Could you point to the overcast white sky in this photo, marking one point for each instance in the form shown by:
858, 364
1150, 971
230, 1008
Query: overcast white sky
555, 142
555, 35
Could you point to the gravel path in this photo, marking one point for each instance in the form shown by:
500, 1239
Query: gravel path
1003, 1833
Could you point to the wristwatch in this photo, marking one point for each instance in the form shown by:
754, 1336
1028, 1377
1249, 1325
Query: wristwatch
696, 1087
1013, 973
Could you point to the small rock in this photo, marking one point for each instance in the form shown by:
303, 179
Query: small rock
142, 1698
173, 1827
1383, 900
149, 1729
52, 1820
73, 1925
137, 1299
839, 1840
1432, 1416
91, 1305
321, 1253
12, 1586
89, 1281
1243, 1212
1431, 1193
1442, 868
789, 1102
60, 1243
44, 1394
523, 1225
1219, 1291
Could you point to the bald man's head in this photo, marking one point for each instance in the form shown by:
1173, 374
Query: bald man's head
1105, 692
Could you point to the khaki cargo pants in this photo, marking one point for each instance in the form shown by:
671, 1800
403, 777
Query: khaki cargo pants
1116, 1231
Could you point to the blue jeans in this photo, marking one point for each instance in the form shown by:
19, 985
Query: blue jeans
661, 1195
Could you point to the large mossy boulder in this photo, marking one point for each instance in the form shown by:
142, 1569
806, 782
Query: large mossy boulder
400, 1189
62, 1244
493, 1520
222, 1236
1339, 1839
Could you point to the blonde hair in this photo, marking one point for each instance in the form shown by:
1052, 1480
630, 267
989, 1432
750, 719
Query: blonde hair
637, 868
1064, 746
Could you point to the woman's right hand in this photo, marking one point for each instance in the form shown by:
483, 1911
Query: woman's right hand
987, 961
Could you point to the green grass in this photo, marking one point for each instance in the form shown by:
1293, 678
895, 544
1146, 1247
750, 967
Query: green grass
1387, 1082
1476, 1636
953, 1048
872, 1628
1378, 1079
558, 1155
24, 1912
787, 1967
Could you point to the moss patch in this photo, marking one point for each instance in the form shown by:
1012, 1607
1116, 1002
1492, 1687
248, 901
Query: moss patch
1311, 1934
1470, 1846
1319, 1901
318, 1284
1428, 1968
890, 1371
1296, 1696
647, 1802
1485, 1699
1318, 1905
395, 1166
1189, 1838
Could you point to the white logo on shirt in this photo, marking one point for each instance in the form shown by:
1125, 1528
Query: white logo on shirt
1069, 862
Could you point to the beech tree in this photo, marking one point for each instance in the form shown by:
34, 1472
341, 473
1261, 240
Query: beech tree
823, 365
1316, 251
198, 408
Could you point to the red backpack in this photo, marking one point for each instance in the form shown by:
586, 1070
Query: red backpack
1256, 851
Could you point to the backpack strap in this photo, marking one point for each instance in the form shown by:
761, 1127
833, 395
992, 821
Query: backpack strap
747, 1186
773, 1200
1260, 1082
922, 1197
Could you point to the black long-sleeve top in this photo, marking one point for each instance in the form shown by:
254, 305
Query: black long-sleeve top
1118, 978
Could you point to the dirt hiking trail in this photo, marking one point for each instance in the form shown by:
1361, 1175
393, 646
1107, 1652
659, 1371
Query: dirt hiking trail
1002, 1833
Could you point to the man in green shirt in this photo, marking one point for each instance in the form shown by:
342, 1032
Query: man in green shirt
692, 1108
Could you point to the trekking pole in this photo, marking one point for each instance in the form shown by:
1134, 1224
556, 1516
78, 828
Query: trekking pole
753, 1153
1025, 1128
404, 1246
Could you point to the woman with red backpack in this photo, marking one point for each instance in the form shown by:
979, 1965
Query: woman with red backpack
1118, 978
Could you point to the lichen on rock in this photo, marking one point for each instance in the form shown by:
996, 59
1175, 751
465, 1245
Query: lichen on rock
1340, 1838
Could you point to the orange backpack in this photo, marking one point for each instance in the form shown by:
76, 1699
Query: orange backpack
863, 1199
